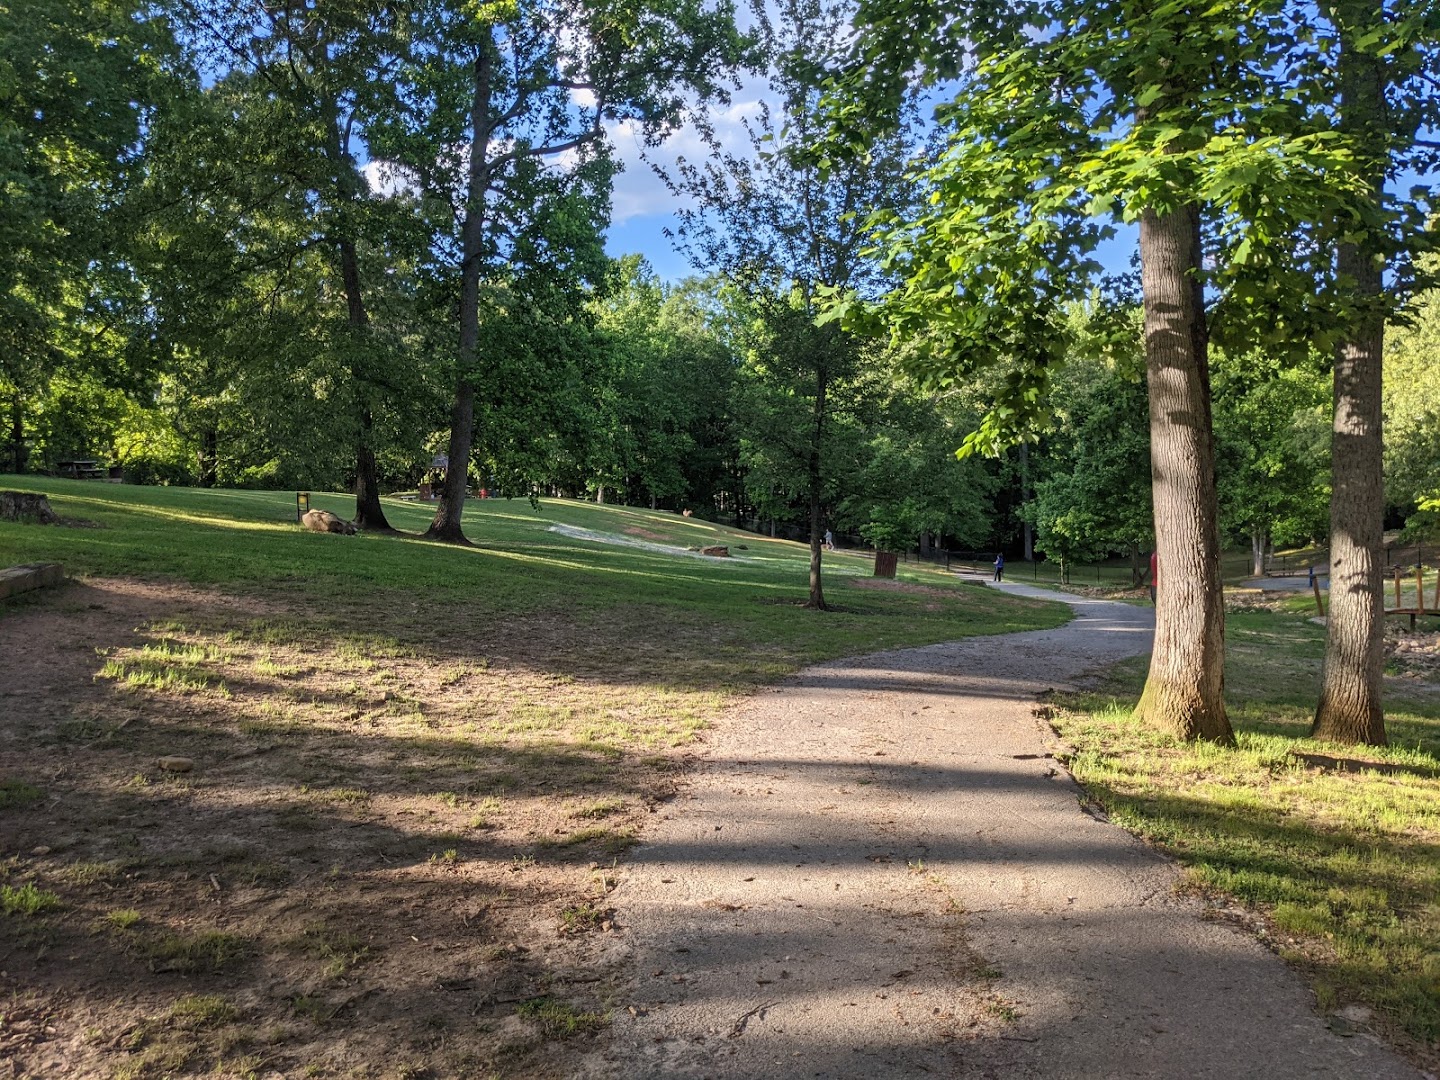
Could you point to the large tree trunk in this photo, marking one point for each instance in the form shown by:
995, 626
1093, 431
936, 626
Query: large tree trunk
1024, 497
446, 525
18, 455
1350, 708
1185, 691
209, 457
814, 476
369, 514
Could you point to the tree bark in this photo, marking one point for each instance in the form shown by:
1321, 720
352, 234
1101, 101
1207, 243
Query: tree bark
369, 514
1029, 529
446, 525
814, 477
1351, 708
209, 457
17, 433
1185, 691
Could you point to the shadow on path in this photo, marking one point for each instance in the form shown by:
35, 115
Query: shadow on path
881, 871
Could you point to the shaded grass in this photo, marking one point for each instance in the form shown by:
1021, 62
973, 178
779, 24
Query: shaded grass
1338, 847
17, 794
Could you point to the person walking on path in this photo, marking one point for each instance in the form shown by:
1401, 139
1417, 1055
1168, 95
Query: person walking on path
1154, 574
1000, 566
829, 540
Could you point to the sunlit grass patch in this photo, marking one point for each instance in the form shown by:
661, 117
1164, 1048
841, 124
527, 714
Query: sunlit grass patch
338, 950
600, 808
277, 669
610, 841
143, 675
560, 1020
167, 665
203, 1010
123, 918
1339, 847
26, 900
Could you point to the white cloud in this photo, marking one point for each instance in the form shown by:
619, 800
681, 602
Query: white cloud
388, 179
639, 192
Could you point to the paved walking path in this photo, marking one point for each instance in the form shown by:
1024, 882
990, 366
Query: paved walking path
879, 873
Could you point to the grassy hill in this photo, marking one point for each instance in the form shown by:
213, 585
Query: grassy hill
247, 541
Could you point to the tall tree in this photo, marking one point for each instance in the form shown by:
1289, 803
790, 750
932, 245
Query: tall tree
1387, 73
786, 228
502, 122
1165, 116
81, 83
318, 73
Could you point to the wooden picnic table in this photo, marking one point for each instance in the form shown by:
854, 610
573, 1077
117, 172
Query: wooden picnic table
82, 469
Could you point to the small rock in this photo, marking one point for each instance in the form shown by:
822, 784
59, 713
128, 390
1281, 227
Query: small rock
171, 763
1356, 1014
719, 551
41, 850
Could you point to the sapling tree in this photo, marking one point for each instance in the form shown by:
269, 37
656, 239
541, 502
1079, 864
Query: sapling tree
786, 228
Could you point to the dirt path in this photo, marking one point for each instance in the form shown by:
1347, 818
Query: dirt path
880, 873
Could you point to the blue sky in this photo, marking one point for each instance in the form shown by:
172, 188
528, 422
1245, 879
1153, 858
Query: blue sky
644, 209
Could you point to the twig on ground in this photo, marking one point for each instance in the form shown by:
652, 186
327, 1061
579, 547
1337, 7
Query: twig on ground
740, 1024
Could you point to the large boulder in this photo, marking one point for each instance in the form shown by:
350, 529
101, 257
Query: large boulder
26, 507
326, 522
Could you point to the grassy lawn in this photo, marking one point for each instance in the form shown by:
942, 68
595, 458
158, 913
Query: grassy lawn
1333, 853
408, 770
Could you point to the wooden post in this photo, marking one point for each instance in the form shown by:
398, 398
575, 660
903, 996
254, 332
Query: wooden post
1398, 604
1419, 589
1319, 604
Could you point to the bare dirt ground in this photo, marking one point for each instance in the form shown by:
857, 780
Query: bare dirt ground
392, 857
380, 864
880, 870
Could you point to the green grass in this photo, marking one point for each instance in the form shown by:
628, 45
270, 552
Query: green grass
733, 622
26, 900
203, 1010
1338, 846
559, 1020
17, 795
207, 951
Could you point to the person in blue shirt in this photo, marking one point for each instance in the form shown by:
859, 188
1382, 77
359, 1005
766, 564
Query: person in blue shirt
1000, 567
